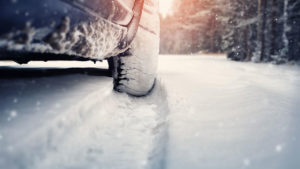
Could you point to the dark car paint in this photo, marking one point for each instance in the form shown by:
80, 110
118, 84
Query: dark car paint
44, 13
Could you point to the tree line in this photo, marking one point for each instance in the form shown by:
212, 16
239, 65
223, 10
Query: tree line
247, 30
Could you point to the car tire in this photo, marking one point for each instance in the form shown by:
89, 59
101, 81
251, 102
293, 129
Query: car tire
135, 71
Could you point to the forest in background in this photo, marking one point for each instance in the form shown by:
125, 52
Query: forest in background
247, 30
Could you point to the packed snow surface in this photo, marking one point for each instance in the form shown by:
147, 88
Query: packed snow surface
205, 113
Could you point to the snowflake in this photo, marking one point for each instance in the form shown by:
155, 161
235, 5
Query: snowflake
15, 100
197, 134
144, 162
13, 114
246, 162
38, 103
57, 105
278, 148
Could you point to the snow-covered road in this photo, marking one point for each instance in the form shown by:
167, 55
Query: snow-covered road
232, 115
205, 112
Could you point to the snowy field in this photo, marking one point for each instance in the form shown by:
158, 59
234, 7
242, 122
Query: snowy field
205, 113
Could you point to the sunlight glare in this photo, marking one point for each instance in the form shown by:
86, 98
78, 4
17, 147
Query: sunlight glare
165, 7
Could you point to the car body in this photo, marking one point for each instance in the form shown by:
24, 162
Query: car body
125, 32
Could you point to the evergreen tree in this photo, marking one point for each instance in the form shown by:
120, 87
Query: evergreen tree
277, 30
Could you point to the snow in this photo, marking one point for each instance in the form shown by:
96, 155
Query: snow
239, 114
96, 39
205, 112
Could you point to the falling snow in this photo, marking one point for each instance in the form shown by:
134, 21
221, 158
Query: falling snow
278, 148
13, 114
246, 162
15, 100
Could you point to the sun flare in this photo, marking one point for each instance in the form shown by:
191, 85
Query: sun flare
165, 7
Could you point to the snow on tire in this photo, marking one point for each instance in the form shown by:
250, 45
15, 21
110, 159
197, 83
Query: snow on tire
135, 70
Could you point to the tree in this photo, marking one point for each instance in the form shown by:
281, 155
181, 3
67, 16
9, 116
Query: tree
277, 30
199, 22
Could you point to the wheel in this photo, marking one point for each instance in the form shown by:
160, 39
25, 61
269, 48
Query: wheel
135, 70
110, 62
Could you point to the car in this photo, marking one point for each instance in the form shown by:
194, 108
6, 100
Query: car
123, 32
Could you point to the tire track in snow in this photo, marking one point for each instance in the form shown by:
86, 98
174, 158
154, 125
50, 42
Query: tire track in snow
158, 156
103, 130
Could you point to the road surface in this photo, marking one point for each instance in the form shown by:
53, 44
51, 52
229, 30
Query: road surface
205, 112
